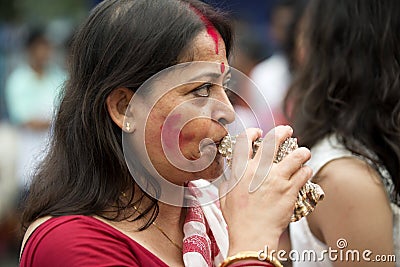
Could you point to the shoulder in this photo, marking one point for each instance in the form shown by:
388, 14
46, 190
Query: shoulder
76, 241
20, 71
267, 69
350, 174
354, 194
276, 60
56, 73
352, 186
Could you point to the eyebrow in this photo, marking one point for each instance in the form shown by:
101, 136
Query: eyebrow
213, 75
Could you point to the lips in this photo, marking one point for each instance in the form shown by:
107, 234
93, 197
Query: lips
208, 143
211, 141
219, 140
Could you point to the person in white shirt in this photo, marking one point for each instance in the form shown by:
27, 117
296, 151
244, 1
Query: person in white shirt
31, 91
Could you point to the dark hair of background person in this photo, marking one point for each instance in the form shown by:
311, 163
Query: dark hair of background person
122, 44
280, 18
350, 82
280, 4
35, 34
290, 46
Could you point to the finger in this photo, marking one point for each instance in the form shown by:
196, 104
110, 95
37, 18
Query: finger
300, 177
244, 143
243, 151
265, 155
293, 162
262, 164
273, 139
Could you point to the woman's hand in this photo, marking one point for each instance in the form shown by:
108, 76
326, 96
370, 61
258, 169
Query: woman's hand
258, 207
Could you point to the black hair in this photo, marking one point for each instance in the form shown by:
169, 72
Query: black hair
122, 44
290, 46
35, 34
282, 4
350, 82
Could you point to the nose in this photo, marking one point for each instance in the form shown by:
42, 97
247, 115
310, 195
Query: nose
223, 111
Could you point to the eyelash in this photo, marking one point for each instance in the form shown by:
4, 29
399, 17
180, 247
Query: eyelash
206, 86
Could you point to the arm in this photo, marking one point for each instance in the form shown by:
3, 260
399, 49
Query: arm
355, 208
284, 244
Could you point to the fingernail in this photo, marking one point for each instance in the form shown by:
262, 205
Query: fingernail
290, 129
305, 150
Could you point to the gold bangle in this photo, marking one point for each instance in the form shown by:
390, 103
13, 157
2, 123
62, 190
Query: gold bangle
250, 255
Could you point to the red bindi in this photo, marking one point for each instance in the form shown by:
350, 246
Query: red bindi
222, 67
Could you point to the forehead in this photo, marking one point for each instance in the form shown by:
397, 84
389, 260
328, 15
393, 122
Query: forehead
208, 47
203, 60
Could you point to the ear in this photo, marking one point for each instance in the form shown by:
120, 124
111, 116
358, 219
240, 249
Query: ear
117, 104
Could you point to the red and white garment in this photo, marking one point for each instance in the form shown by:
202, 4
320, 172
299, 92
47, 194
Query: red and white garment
205, 242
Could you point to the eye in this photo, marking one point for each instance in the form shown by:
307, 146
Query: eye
203, 90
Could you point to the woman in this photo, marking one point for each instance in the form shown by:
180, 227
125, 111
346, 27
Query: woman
346, 108
86, 208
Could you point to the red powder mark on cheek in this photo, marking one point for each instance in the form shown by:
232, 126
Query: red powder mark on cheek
222, 67
185, 138
169, 131
174, 119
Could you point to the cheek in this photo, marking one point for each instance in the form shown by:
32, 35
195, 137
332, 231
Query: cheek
214, 171
194, 131
167, 134
170, 130
153, 127
186, 138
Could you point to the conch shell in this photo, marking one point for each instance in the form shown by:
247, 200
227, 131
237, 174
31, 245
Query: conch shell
310, 193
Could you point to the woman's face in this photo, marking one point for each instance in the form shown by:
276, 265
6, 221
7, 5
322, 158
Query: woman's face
189, 118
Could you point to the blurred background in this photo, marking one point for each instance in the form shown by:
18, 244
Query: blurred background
34, 38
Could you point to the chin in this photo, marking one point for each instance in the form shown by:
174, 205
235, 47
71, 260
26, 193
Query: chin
213, 171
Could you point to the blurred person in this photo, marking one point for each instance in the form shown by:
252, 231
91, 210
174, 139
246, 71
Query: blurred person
248, 53
8, 191
3, 110
345, 106
8, 181
91, 204
273, 75
31, 91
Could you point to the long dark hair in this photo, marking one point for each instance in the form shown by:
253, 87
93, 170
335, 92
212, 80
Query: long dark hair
350, 82
121, 44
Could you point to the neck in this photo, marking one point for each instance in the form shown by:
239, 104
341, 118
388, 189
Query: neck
38, 68
171, 217
169, 214
169, 223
